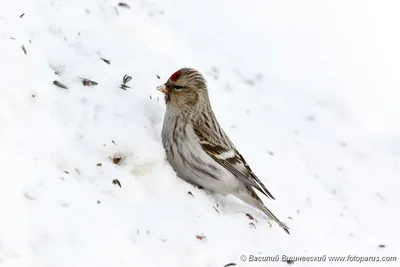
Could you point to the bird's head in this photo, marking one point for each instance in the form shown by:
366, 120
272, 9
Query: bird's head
185, 89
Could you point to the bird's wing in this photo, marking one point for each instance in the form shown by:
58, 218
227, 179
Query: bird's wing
227, 156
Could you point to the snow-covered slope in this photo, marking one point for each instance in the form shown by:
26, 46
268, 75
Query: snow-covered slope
308, 91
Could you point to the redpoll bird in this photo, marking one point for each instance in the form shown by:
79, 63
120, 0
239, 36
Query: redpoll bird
199, 150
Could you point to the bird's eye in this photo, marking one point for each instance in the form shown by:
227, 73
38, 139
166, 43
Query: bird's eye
178, 87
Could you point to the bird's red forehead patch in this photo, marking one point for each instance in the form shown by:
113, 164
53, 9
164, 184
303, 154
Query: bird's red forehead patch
174, 77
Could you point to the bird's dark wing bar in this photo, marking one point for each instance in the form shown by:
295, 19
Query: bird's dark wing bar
233, 162
254, 176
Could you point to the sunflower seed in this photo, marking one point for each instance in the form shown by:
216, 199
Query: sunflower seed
59, 84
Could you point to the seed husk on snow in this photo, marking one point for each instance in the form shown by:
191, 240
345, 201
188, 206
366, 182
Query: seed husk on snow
59, 84
200, 237
87, 82
124, 86
116, 182
125, 5
116, 160
125, 80
106, 60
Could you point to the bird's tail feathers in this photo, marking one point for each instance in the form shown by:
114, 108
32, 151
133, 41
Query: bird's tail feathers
273, 217
250, 197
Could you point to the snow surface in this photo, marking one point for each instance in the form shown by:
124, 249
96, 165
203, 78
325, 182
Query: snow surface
307, 90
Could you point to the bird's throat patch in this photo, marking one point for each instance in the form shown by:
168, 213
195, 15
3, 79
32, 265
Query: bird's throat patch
167, 98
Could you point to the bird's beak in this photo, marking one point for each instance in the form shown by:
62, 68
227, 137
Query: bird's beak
162, 88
